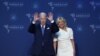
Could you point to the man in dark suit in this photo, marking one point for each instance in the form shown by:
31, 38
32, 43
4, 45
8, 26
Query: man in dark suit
43, 41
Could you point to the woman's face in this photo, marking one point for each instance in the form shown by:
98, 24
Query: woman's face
61, 24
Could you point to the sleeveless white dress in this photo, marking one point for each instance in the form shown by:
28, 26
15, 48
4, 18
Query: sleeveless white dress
65, 47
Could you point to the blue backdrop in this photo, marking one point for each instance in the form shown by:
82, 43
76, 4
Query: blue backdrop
83, 16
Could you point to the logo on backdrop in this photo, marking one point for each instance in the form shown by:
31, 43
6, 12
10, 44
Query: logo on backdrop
95, 4
53, 5
13, 4
57, 4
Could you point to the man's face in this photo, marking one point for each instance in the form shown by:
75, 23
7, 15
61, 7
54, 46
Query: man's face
43, 18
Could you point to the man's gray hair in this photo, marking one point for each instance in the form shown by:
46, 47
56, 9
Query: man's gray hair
42, 14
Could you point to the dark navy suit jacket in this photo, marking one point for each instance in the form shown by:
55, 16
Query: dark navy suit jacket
43, 42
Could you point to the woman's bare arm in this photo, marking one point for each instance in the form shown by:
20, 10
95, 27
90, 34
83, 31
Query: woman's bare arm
73, 44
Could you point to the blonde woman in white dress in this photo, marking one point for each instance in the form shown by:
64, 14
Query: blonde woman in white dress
65, 39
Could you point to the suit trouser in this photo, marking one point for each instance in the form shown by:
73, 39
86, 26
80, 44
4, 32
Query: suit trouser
42, 53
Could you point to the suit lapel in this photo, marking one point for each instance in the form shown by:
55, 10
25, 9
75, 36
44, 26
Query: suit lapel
45, 29
40, 30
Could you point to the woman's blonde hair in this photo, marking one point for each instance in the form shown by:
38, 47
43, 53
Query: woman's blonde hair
63, 20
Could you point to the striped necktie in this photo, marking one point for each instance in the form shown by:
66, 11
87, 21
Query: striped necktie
42, 28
